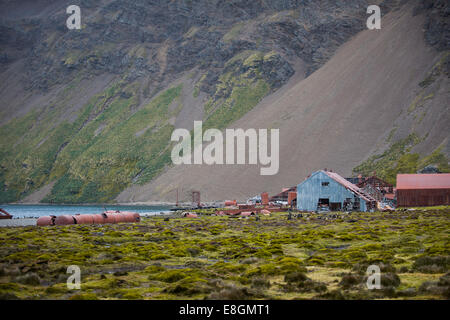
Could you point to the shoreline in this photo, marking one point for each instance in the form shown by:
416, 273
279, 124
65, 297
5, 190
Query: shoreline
131, 204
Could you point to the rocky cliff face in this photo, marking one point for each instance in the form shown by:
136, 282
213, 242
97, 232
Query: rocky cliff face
90, 111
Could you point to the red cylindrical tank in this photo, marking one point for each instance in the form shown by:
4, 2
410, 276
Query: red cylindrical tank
109, 217
64, 220
84, 219
98, 219
120, 217
46, 221
135, 217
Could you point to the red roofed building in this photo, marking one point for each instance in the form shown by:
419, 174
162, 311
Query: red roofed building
420, 190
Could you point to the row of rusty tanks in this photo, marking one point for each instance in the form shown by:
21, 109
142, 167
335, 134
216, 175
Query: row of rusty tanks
106, 217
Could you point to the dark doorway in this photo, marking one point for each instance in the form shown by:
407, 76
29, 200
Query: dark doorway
335, 206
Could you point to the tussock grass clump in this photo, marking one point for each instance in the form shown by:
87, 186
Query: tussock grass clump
299, 282
332, 295
260, 283
8, 296
427, 264
439, 288
31, 279
295, 277
234, 293
84, 296
351, 280
390, 280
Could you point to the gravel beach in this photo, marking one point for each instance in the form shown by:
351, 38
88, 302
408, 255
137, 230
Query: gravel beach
18, 222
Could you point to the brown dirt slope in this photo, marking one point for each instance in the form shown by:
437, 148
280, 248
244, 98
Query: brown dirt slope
335, 118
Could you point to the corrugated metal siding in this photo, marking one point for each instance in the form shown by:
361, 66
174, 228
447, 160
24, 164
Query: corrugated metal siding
423, 197
311, 190
423, 181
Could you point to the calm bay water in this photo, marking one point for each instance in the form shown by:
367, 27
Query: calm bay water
31, 211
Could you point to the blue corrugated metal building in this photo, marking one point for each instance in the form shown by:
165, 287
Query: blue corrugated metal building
325, 189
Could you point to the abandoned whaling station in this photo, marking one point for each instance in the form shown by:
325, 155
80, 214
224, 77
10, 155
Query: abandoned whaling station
322, 191
325, 190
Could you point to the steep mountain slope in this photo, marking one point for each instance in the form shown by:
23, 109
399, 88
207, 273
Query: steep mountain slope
367, 95
86, 115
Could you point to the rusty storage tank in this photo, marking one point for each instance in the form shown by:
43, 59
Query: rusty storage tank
98, 219
135, 217
120, 217
64, 220
109, 217
125, 216
46, 221
264, 198
84, 218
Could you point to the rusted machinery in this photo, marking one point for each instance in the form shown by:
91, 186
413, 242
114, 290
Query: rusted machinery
292, 197
230, 203
236, 212
4, 214
107, 217
249, 209
189, 215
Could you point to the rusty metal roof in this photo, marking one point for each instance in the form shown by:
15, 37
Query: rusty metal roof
347, 184
423, 181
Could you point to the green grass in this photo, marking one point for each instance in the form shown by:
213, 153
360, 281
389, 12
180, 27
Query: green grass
222, 257
93, 158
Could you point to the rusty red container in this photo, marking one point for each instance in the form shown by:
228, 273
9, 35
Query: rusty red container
84, 218
120, 217
64, 220
109, 217
230, 203
190, 215
46, 221
291, 197
98, 219
135, 217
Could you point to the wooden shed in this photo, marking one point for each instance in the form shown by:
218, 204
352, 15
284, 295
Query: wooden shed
421, 190
326, 190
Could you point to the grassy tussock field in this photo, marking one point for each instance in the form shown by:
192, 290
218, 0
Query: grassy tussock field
309, 257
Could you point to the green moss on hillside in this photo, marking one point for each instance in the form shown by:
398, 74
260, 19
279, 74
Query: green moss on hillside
398, 159
93, 158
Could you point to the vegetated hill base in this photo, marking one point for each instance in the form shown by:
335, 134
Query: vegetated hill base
312, 256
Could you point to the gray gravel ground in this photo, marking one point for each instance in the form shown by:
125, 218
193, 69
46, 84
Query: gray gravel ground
18, 222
